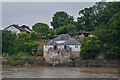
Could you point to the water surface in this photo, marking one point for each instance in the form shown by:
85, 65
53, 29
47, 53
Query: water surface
58, 72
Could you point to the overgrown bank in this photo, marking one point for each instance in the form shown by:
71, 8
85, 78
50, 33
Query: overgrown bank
102, 19
39, 61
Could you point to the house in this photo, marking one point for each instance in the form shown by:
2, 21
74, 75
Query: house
84, 34
62, 45
17, 29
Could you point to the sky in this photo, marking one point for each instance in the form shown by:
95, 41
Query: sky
29, 13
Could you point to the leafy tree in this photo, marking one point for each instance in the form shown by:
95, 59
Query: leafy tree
61, 30
41, 28
51, 34
8, 42
98, 14
90, 48
34, 36
114, 29
113, 53
71, 29
60, 19
114, 37
108, 35
24, 44
23, 37
66, 29
89, 17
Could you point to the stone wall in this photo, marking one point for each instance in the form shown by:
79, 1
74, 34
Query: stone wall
76, 53
59, 55
71, 63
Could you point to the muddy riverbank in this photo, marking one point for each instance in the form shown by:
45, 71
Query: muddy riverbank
58, 72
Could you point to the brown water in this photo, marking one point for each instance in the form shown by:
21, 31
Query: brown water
58, 72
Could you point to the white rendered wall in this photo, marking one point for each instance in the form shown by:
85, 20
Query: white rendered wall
74, 48
13, 29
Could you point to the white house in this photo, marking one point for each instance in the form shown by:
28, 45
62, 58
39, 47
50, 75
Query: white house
16, 29
61, 42
84, 34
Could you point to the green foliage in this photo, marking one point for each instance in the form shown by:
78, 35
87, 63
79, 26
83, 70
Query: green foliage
113, 53
99, 59
41, 28
51, 34
8, 42
67, 29
34, 36
27, 47
114, 29
40, 59
60, 19
22, 54
17, 63
23, 37
71, 29
108, 30
61, 30
98, 14
90, 48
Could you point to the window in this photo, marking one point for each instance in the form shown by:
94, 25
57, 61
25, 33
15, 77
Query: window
68, 46
76, 46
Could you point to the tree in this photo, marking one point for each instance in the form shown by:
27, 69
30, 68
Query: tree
41, 28
108, 35
51, 34
90, 48
114, 29
114, 41
26, 43
23, 37
66, 29
34, 36
8, 42
89, 17
60, 19
61, 30
71, 29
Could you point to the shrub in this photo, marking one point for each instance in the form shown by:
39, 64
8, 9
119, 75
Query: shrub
17, 63
90, 49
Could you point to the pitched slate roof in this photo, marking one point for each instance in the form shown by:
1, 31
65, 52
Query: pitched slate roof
51, 42
72, 41
26, 27
22, 28
63, 37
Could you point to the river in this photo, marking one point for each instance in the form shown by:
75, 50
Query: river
58, 72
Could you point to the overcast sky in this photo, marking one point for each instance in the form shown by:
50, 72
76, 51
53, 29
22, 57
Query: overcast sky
29, 13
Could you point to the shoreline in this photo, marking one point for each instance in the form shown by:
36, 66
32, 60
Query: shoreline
67, 64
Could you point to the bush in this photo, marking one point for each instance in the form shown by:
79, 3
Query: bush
17, 63
90, 49
40, 59
78, 59
113, 53
99, 59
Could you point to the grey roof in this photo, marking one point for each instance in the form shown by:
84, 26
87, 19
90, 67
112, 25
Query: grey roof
62, 37
51, 42
68, 40
72, 41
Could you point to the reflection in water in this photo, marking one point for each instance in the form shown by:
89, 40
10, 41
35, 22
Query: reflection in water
58, 72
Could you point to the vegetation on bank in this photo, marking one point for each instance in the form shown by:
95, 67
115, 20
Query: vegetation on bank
102, 19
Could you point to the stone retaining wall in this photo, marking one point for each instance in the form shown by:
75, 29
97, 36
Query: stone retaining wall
73, 64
